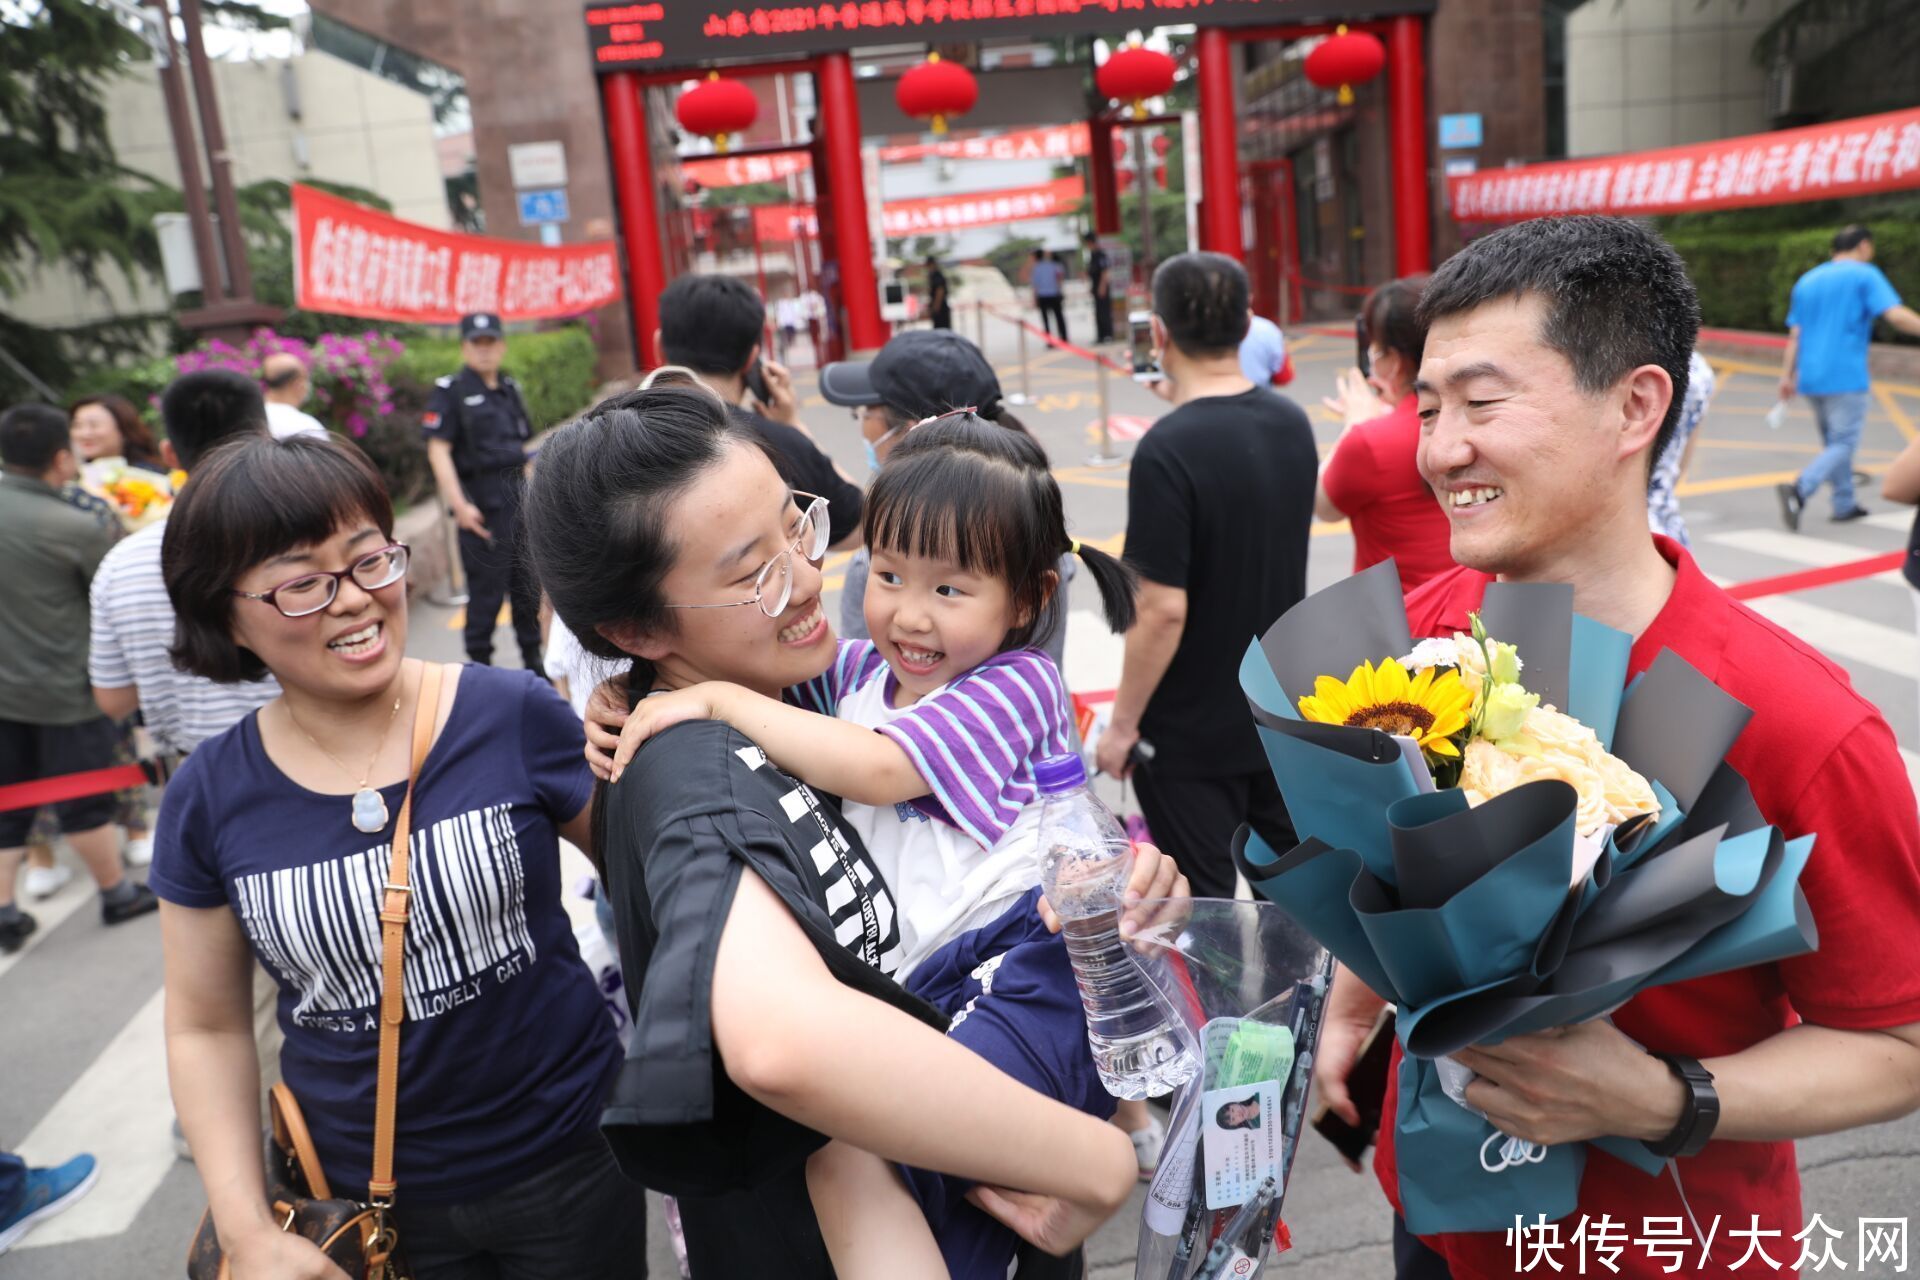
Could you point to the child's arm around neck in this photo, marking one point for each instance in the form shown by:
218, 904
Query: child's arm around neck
836, 756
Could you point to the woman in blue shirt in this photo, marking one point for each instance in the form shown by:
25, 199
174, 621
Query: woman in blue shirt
274, 843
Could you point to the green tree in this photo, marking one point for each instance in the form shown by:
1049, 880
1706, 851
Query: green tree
1012, 255
64, 196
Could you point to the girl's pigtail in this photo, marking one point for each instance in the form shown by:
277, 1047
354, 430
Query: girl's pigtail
1119, 584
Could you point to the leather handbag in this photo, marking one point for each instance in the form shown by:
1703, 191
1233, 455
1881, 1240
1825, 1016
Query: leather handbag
359, 1237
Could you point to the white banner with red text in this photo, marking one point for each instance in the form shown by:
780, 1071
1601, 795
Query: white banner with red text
351, 260
1055, 142
1819, 162
779, 223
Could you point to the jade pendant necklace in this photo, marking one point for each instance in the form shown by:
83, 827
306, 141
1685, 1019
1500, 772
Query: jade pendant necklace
369, 806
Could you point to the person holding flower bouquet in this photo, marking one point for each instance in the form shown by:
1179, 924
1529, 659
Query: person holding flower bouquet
1555, 365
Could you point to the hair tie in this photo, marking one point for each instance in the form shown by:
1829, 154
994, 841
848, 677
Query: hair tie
1075, 546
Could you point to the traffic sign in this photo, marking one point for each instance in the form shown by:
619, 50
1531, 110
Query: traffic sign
547, 204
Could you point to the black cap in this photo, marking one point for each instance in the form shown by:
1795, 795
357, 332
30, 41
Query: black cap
922, 372
481, 324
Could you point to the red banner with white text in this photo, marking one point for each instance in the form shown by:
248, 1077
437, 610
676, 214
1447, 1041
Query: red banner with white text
1055, 142
1819, 162
778, 223
354, 261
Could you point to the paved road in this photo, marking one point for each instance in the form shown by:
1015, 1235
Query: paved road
81, 1057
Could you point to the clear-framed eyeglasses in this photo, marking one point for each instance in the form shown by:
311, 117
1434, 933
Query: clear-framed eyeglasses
773, 585
311, 592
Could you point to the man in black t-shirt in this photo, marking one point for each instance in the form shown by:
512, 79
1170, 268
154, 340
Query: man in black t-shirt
713, 325
1099, 268
1219, 502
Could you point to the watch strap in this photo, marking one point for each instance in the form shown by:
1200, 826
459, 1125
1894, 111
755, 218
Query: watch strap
1699, 1115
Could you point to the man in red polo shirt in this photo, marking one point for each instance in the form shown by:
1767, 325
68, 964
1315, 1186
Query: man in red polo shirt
1555, 363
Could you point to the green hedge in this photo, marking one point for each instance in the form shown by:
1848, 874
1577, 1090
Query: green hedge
1745, 277
554, 369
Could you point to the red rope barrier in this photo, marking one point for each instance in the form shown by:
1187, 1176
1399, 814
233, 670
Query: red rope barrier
71, 786
1061, 343
1743, 338
1806, 579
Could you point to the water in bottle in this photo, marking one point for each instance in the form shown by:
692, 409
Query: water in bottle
1086, 859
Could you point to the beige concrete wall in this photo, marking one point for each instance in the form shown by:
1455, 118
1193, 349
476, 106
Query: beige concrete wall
354, 127
1659, 73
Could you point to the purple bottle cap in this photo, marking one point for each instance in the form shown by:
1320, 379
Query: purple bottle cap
1059, 773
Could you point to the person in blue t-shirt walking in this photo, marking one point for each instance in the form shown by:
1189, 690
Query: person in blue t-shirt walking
1830, 320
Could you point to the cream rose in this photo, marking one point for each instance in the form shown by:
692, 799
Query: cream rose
1555, 745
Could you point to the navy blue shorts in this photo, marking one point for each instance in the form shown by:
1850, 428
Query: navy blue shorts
1008, 992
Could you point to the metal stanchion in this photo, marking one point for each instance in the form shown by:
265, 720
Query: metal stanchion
980, 326
1104, 456
454, 594
1025, 396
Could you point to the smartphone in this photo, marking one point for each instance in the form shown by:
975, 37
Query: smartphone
1146, 368
1367, 1086
1362, 360
757, 383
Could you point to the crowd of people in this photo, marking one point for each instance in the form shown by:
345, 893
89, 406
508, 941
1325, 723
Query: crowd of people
853, 1043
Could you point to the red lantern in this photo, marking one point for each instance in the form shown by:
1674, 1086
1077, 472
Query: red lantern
1344, 59
937, 89
1134, 74
716, 108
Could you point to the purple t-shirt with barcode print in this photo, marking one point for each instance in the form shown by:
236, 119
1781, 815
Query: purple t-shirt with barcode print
975, 740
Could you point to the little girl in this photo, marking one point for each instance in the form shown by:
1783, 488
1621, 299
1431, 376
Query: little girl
929, 732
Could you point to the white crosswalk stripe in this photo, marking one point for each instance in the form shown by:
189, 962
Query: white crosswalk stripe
119, 1108
49, 913
1821, 553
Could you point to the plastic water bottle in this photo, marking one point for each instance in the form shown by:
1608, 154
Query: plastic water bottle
1086, 859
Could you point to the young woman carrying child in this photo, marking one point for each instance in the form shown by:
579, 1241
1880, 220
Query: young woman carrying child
929, 733
767, 1021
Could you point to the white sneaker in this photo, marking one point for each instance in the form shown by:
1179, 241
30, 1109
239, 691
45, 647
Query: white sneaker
1148, 1143
138, 853
44, 882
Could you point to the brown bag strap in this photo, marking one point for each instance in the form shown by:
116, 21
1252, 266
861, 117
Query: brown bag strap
393, 934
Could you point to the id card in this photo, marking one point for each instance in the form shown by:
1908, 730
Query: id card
1240, 1140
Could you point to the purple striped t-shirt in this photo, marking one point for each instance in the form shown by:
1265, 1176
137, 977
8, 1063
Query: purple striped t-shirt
975, 740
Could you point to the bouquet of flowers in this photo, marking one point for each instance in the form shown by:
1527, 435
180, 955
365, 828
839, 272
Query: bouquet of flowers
138, 496
1499, 841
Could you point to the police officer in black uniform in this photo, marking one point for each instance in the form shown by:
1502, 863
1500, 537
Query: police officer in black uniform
477, 428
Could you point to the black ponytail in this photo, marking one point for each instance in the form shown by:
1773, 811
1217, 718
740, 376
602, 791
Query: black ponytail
1119, 585
977, 493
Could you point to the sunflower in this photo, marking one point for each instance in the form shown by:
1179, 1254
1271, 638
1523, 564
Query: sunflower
1430, 708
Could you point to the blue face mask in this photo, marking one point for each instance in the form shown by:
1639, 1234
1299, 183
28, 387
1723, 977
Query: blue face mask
873, 448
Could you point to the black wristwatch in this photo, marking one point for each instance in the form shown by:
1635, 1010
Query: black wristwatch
1697, 1117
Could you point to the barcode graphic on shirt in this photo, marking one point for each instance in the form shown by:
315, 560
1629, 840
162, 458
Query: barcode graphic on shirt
862, 912
318, 925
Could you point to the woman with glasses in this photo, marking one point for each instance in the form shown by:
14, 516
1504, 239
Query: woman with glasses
758, 935
275, 840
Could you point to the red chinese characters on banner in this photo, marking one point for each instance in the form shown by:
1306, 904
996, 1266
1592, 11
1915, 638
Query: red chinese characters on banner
778, 223
354, 261
1056, 142
1819, 162
981, 208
